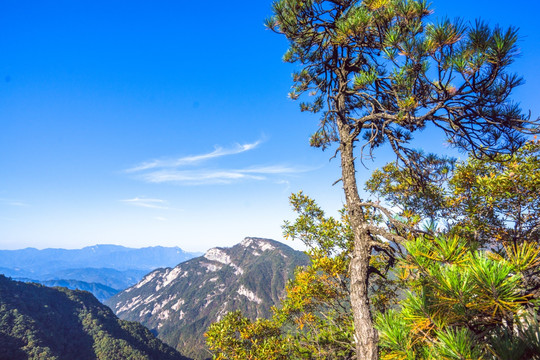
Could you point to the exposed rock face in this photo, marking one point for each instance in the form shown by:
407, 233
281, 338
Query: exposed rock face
180, 303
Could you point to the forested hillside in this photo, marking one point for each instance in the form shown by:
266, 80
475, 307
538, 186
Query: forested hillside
37, 322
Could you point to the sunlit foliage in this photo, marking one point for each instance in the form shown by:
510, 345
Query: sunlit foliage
462, 303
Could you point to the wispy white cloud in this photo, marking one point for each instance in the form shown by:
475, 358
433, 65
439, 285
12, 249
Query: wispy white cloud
189, 170
273, 169
194, 159
147, 203
217, 176
159, 218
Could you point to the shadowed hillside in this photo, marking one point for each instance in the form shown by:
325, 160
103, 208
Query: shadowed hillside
37, 322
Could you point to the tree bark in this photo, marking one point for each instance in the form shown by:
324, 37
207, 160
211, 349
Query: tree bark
366, 335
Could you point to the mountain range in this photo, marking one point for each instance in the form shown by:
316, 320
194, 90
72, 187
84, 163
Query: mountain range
116, 257
38, 322
101, 269
178, 304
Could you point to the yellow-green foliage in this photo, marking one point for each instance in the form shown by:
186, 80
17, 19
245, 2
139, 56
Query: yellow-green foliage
467, 287
236, 337
462, 304
314, 319
486, 200
499, 199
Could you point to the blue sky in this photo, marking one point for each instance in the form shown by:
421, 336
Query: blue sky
167, 123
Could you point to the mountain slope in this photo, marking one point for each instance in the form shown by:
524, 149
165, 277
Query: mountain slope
37, 322
180, 303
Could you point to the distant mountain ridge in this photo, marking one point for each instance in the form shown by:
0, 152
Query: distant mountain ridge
111, 266
37, 322
100, 291
180, 303
112, 278
98, 256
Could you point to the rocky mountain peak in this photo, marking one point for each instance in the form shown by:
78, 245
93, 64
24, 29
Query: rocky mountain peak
180, 303
259, 243
219, 255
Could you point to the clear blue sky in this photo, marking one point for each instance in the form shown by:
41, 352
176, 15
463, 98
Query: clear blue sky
167, 122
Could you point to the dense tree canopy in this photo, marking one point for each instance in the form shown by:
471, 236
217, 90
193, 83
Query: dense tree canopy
383, 70
489, 200
378, 71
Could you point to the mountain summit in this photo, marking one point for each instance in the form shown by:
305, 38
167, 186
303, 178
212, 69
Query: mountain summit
180, 303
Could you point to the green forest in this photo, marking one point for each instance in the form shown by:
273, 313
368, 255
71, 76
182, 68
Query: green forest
441, 259
38, 322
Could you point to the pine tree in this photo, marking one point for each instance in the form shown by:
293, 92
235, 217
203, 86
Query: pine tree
463, 303
378, 71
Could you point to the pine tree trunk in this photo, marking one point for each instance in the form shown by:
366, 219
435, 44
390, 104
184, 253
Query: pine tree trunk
366, 335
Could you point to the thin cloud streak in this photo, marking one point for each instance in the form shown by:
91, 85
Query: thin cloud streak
194, 159
274, 169
188, 170
206, 177
147, 203
197, 177
287, 185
